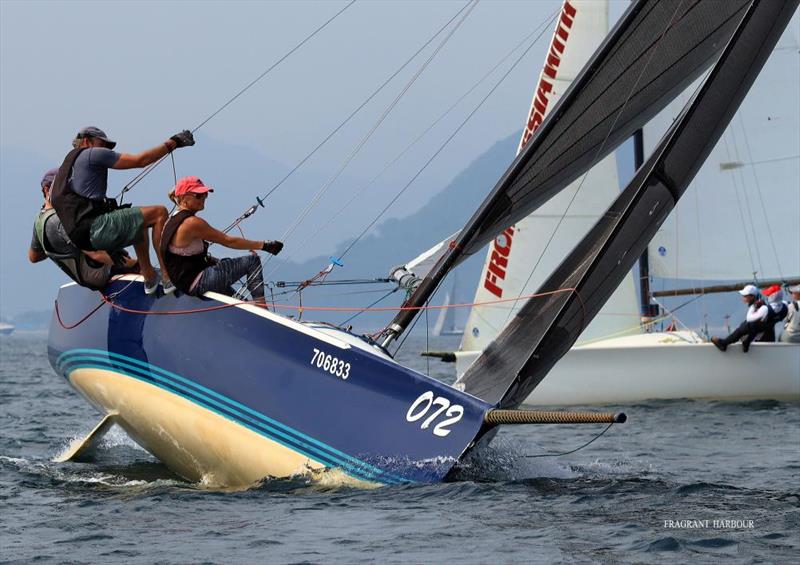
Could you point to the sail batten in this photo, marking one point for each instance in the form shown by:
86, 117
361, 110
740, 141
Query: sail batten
546, 328
653, 53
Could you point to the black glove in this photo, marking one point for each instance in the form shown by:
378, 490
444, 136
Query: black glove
183, 139
273, 247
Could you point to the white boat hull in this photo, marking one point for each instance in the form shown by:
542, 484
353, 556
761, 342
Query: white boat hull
665, 366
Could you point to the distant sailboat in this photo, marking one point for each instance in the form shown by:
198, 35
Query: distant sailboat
446, 321
616, 359
6, 329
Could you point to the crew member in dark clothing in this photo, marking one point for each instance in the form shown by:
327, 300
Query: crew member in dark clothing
184, 246
778, 310
750, 329
90, 268
95, 222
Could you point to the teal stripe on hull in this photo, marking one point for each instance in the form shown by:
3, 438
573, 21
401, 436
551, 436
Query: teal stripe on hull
241, 414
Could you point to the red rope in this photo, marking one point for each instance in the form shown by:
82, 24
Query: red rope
79, 322
106, 300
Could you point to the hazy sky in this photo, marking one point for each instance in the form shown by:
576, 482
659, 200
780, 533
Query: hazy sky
143, 70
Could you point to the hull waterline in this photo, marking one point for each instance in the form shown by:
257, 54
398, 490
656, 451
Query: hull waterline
234, 393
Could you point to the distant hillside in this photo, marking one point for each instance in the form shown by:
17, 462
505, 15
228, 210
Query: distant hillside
395, 241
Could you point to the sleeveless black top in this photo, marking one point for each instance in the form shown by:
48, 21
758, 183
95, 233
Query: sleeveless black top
182, 269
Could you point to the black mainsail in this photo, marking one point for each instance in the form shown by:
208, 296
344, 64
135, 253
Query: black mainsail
546, 327
655, 51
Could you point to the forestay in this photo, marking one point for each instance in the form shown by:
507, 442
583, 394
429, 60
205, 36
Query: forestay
546, 328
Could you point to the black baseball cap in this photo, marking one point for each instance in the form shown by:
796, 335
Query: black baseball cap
92, 131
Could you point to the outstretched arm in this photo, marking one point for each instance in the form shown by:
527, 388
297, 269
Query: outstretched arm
199, 228
139, 160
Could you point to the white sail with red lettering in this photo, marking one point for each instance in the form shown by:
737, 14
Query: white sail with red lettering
522, 257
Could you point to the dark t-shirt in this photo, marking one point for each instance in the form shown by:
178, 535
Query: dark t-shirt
90, 172
57, 239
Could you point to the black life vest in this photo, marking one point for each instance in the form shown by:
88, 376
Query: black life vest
777, 312
76, 212
75, 264
182, 269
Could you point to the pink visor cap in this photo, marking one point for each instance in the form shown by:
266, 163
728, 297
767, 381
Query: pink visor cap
191, 184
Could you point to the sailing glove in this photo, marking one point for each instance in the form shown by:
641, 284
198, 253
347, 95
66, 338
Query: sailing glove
183, 139
273, 247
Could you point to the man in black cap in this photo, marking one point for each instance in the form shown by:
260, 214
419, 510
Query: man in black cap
90, 218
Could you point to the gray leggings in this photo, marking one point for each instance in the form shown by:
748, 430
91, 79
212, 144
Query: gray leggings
221, 276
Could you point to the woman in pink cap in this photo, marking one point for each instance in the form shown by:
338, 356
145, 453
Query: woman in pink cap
184, 246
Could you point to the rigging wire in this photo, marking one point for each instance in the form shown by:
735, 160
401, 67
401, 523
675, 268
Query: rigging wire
290, 230
597, 153
748, 208
354, 112
740, 207
767, 223
408, 147
147, 170
443, 145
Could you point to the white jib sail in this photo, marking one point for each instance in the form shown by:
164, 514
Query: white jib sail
521, 259
740, 215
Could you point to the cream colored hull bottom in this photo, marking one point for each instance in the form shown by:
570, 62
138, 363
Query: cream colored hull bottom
195, 443
665, 366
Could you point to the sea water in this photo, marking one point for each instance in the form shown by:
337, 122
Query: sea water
682, 480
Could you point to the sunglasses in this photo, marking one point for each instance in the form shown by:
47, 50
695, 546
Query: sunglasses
199, 195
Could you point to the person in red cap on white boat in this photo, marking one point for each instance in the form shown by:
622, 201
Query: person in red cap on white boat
184, 247
748, 330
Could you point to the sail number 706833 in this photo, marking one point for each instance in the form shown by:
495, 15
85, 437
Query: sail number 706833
330, 364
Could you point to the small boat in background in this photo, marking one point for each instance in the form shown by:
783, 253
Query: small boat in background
6, 328
446, 321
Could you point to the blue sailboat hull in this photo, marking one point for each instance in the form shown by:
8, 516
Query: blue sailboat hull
234, 393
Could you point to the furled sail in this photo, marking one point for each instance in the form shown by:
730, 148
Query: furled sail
740, 216
546, 328
519, 259
653, 53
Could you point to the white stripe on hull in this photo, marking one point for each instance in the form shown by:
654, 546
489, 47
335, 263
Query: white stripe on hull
194, 442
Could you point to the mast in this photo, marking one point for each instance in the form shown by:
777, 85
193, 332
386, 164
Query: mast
616, 93
648, 310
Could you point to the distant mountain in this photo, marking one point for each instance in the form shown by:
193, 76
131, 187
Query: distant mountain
395, 241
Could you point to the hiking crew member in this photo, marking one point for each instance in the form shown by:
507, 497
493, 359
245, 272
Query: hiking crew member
778, 310
95, 222
184, 246
748, 330
791, 329
92, 268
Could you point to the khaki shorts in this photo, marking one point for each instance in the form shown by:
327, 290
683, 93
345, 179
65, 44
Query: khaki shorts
117, 229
